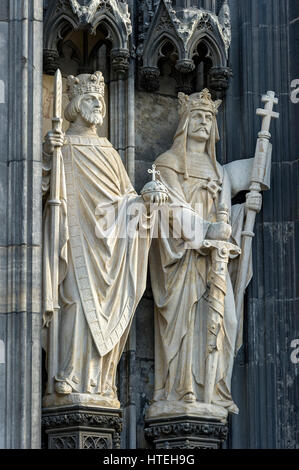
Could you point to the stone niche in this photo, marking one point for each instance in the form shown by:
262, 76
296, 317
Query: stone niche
79, 52
83, 49
183, 46
82, 37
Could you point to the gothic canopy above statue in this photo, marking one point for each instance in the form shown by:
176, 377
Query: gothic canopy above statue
62, 16
185, 28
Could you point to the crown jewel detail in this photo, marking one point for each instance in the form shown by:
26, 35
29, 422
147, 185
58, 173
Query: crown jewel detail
85, 83
202, 100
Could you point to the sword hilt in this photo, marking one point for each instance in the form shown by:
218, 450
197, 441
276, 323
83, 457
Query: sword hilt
223, 213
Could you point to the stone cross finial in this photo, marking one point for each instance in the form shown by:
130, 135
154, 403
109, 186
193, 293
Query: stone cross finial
268, 112
154, 172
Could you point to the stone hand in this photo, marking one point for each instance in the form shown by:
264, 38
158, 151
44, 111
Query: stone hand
156, 197
53, 139
219, 231
254, 201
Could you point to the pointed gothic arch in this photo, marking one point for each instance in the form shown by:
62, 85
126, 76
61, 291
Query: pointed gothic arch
61, 18
185, 28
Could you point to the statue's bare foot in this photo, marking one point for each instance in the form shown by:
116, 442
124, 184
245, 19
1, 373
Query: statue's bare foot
63, 388
189, 397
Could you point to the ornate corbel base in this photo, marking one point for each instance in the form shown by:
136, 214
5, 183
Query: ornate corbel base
186, 432
50, 61
150, 78
81, 427
219, 78
120, 61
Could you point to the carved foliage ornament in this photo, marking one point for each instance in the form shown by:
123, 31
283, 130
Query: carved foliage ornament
185, 29
186, 24
187, 435
86, 14
75, 419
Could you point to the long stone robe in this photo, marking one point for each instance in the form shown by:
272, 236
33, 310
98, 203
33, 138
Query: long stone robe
102, 273
179, 276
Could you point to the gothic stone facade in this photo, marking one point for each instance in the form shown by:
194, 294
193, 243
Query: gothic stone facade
149, 50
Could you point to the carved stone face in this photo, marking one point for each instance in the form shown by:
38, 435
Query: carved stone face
200, 125
91, 109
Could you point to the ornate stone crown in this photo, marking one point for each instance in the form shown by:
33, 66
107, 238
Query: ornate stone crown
84, 84
202, 100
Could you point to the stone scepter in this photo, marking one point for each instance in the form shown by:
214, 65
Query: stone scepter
262, 155
54, 203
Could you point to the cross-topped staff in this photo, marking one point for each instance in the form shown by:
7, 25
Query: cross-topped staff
268, 112
261, 160
154, 172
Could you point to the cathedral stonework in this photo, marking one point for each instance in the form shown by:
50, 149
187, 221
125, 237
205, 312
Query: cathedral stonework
148, 179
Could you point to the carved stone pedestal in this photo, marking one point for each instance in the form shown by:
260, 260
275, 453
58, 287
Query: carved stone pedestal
81, 427
186, 432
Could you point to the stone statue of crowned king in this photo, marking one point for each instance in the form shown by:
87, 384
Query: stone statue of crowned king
199, 276
93, 277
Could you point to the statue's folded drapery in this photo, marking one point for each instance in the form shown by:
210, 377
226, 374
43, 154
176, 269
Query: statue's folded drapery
103, 270
179, 276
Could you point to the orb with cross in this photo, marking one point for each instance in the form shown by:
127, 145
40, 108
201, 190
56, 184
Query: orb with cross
154, 186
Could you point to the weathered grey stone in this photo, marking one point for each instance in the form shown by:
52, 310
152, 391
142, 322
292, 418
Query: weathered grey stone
3, 205
4, 91
145, 385
4, 10
265, 381
144, 318
20, 240
3, 324
23, 415
156, 122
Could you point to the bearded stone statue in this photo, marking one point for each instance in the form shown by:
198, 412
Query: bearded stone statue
102, 270
195, 311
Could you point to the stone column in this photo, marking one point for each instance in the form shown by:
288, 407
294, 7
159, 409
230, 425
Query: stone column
20, 230
265, 386
120, 63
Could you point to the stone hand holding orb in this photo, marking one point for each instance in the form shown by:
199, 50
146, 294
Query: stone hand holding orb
154, 192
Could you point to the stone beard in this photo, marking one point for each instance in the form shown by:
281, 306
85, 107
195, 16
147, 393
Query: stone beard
101, 280
180, 271
94, 117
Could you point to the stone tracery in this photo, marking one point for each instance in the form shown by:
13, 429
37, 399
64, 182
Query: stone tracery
186, 27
